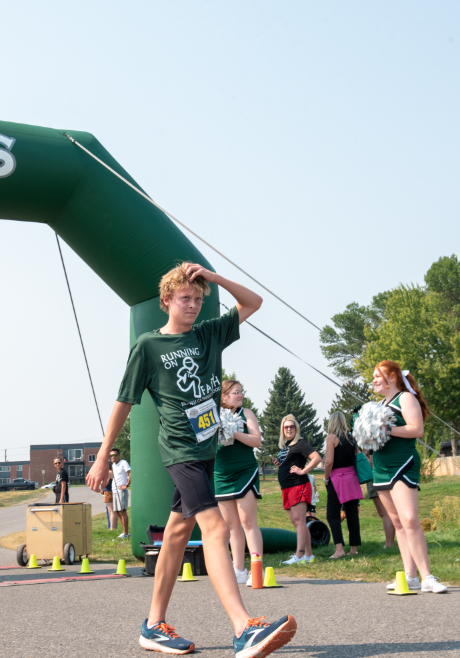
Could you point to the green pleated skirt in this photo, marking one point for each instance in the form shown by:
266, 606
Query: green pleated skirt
398, 460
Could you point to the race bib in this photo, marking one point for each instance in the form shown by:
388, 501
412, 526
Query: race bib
204, 419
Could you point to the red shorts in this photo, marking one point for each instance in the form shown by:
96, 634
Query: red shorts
295, 495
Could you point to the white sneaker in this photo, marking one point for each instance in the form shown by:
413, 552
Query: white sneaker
412, 583
123, 536
430, 584
241, 576
306, 560
292, 560
249, 580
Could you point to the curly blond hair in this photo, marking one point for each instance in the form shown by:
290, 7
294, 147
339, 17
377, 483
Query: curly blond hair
176, 279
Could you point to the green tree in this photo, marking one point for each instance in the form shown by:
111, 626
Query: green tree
285, 397
443, 284
420, 339
346, 340
346, 403
419, 328
123, 441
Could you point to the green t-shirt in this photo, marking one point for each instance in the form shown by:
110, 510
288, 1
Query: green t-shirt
183, 374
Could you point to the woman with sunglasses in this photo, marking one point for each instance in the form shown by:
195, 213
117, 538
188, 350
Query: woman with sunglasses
296, 459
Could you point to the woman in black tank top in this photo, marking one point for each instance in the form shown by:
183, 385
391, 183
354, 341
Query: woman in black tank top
344, 452
340, 468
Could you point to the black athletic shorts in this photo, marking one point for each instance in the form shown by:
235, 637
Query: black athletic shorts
193, 492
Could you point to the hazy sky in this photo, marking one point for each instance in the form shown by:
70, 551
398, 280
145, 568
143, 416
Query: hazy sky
317, 144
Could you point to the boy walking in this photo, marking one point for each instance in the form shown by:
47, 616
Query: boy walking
181, 366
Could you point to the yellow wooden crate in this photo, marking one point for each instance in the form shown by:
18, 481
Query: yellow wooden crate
51, 527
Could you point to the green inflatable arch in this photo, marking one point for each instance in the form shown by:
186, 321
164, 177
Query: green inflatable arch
129, 243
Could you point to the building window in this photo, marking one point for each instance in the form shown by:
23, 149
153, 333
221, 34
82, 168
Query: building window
76, 471
75, 454
19, 471
91, 458
4, 469
5, 481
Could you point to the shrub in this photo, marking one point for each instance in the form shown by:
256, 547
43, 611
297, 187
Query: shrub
447, 512
427, 463
428, 525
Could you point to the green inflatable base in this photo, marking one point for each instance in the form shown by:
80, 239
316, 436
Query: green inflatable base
277, 540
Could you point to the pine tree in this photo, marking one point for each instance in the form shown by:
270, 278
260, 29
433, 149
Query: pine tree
247, 402
346, 403
285, 397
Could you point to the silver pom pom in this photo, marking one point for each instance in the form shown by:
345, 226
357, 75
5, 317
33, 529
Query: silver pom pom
229, 423
373, 426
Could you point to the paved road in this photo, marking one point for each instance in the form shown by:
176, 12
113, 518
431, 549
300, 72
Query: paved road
336, 619
13, 519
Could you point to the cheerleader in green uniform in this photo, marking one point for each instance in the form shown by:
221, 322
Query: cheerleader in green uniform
236, 481
396, 469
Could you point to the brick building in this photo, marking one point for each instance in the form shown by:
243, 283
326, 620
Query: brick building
11, 470
77, 459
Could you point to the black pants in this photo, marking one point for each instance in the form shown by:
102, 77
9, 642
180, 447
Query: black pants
58, 497
334, 508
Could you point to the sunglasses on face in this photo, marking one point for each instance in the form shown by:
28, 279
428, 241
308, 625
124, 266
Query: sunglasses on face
56, 463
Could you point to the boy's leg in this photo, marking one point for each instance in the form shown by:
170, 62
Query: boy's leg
176, 536
216, 535
194, 499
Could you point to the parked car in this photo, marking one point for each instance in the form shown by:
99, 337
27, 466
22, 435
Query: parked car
19, 484
49, 486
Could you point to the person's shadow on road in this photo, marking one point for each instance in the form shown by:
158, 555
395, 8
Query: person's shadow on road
358, 650
370, 649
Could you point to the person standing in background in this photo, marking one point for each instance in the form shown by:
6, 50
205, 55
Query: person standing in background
311, 507
296, 459
112, 517
396, 468
121, 480
236, 482
61, 488
342, 484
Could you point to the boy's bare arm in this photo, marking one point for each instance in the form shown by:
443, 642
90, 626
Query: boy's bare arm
247, 301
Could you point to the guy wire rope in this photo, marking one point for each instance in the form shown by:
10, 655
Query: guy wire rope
322, 373
146, 196
166, 212
79, 332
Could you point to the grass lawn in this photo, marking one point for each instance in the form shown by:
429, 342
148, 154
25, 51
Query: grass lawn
10, 498
374, 563
106, 545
